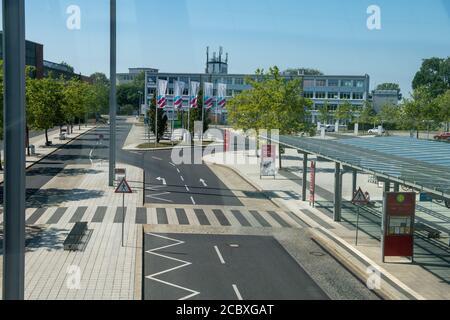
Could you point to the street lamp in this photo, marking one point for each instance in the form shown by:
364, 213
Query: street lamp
14, 149
112, 93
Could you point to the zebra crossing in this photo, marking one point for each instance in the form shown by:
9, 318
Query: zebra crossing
219, 217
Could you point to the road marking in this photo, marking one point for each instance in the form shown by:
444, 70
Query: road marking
182, 178
183, 264
156, 158
220, 255
172, 164
162, 179
193, 202
238, 294
187, 188
178, 170
203, 182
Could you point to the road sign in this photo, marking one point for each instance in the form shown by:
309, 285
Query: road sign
123, 187
425, 197
360, 198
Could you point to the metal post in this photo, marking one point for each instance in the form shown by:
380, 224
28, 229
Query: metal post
123, 216
396, 187
387, 186
112, 93
305, 176
14, 149
354, 181
337, 192
156, 124
357, 225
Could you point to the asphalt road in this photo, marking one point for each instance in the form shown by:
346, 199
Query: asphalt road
200, 185
187, 183
223, 267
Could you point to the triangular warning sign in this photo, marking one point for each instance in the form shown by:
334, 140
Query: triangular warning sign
123, 187
359, 197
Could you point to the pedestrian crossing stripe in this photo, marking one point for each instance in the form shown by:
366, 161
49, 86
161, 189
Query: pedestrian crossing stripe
123, 187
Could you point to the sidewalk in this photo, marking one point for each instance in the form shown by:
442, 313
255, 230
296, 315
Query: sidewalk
285, 190
41, 151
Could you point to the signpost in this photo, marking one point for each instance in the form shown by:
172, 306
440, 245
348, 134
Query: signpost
226, 140
358, 200
312, 185
398, 224
123, 188
268, 158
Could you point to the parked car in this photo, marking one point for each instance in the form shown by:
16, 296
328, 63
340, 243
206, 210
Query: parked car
443, 136
375, 131
330, 128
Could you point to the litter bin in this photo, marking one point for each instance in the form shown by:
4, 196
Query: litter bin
32, 149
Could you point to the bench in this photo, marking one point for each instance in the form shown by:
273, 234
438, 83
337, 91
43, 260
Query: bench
77, 233
431, 232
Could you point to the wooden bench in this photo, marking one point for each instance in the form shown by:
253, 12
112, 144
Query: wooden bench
77, 233
431, 232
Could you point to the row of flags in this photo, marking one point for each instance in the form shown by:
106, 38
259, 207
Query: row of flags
179, 87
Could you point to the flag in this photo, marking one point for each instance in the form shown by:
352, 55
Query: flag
221, 94
195, 87
208, 100
178, 94
162, 88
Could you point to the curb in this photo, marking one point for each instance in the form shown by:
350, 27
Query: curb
390, 289
49, 154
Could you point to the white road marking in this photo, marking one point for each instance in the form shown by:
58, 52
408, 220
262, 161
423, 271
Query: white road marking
219, 254
238, 294
182, 178
187, 188
162, 179
178, 170
183, 264
193, 202
172, 164
203, 182
156, 158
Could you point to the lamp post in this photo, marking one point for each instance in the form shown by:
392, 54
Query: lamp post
112, 93
14, 148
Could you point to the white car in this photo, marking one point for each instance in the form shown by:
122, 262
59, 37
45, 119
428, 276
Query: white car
375, 131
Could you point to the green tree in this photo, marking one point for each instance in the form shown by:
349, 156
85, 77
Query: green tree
389, 86
443, 104
100, 98
343, 112
45, 99
367, 114
75, 101
434, 76
323, 112
272, 103
389, 114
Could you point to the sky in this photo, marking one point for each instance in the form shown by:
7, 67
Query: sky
172, 35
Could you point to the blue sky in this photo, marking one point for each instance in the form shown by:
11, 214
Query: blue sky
171, 35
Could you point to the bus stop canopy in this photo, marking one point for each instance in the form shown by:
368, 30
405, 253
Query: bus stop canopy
421, 164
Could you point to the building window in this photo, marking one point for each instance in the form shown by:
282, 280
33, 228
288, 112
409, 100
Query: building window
308, 94
229, 80
321, 83
345, 95
333, 83
229, 92
358, 95
346, 83
333, 95
320, 95
359, 83
332, 107
185, 92
308, 83
170, 91
239, 81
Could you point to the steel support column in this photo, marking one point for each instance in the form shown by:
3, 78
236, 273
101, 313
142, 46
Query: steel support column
305, 176
387, 186
337, 193
354, 181
396, 187
14, 149
112, 93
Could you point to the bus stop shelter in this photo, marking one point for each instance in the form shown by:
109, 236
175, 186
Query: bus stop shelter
418, 164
